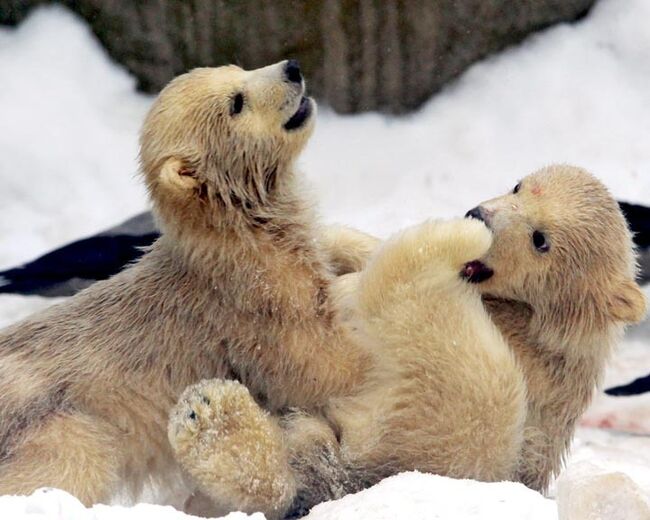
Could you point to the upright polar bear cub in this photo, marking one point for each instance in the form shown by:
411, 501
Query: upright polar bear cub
237, 287
447, 395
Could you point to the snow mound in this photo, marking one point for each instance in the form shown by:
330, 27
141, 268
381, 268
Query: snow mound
68, 136
415, 496
613, 452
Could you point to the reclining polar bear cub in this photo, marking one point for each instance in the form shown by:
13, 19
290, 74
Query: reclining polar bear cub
447, 395
563, 289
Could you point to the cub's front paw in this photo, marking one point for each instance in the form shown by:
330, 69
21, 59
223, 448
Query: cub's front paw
231, 448
457, 241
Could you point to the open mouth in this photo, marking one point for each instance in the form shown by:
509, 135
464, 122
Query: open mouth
476, 272
301, 115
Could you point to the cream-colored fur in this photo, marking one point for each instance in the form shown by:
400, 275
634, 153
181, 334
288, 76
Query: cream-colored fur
445, 395
562, 311
237, 287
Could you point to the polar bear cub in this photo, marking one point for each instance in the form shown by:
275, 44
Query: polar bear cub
445, 394
236, 287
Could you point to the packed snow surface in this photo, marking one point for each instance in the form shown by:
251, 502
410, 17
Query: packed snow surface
409, 496
574, 93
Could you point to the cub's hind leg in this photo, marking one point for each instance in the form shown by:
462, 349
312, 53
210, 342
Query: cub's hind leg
232, 449
456, 400
245, 460
70, 451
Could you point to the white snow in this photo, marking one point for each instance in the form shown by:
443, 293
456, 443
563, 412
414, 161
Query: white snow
408, 496
68, 136
54, 504
420, 496
573, 93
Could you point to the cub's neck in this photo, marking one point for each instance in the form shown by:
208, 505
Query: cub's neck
560, 383
573, 368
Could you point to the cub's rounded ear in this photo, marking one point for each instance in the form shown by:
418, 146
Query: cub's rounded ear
178, 175
627, 303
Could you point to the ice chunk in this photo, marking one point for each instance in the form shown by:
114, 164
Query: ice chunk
586, 491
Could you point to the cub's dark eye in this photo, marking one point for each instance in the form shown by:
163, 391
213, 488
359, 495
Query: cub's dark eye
237, 104
539, 241
516, 188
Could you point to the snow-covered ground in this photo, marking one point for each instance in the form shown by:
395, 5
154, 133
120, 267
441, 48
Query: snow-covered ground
406, 496
574, 93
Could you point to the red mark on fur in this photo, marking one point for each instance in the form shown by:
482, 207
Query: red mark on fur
536, 190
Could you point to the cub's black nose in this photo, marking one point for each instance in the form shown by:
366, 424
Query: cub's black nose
292, 71
476, 213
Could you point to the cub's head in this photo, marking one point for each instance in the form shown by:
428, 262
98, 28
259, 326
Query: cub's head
562, 246
224, 138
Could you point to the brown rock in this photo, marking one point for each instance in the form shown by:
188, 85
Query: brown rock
360, 55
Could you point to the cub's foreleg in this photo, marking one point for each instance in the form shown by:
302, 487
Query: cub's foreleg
347, 249
321, 469
424, 257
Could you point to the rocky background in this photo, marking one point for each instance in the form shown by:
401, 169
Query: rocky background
360, 55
